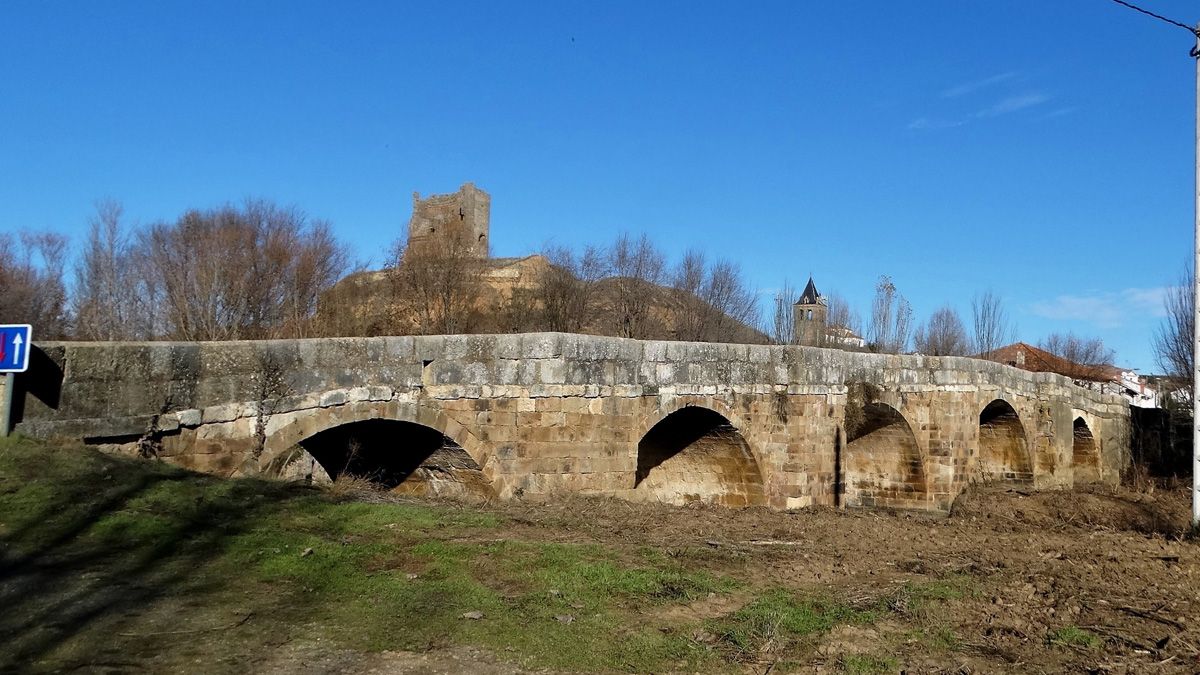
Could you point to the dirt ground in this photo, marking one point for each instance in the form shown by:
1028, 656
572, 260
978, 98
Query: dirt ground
1108, 564
112, 565
1109, 561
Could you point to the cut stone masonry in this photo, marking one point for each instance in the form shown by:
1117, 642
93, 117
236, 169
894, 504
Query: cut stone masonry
549, 413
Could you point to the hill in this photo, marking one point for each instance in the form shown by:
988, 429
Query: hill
512, 295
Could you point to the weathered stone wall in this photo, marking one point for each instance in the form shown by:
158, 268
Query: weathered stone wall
460, 219
548, 413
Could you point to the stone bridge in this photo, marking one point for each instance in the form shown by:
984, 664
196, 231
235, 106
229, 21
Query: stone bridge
547, 413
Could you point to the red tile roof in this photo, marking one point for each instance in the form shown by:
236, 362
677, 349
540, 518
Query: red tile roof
1028, 357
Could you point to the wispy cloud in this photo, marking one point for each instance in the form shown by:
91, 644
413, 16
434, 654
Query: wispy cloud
969, 87
922, 123
1012, 104
1009, 99
1106, 310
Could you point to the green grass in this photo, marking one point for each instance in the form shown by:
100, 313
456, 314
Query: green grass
1073, 636
918, 598
781, 618
939, 636
865, 664
412, 594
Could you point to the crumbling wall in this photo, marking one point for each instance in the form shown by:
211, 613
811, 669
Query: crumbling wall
458, 221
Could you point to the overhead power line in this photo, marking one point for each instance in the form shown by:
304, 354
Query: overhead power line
1191, 29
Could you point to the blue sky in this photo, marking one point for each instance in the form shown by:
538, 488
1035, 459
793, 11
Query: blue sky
1042, 149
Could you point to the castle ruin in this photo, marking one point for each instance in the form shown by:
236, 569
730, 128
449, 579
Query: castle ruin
457, 222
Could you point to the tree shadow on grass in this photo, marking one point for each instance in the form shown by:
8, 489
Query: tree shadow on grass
92, 543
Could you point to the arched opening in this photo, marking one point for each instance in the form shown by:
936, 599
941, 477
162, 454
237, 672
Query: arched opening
398, 456
695, 455
881, 461
1085, 457
1003, 450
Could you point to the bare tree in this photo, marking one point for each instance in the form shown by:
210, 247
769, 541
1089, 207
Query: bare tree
110, 298
891, 319
231, 273
991, 324
31, 282
435, 288
568, 290
318, 261
638, 267
689, 279
841, 315
713, 302
783, 320
1083, 358
1174, 339
732, 304
520, 312
942, 335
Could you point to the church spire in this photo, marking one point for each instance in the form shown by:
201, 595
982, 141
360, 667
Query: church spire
810, 296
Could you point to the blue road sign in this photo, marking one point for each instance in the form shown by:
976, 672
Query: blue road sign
14, 347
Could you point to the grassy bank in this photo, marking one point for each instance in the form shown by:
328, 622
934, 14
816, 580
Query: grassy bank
109, 562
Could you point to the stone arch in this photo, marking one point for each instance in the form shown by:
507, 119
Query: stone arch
1003, 452
1085, 453
882, 463
695, 454
413, 430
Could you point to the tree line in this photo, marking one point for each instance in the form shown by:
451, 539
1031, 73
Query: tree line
891, 329
249, 271
259, 270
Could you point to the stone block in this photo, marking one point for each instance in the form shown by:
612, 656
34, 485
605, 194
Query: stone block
654, 350
167, 422
335, 397
551, 371
380, 393
508, 347
220, 413
664, 373
399, 349
429, 348
683, 351
758, 354
507, 371
541, 345
477, 374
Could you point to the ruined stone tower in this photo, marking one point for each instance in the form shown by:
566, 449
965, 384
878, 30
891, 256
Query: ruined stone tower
442, 223
810, 314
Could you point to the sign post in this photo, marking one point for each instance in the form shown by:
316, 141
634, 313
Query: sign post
16, 341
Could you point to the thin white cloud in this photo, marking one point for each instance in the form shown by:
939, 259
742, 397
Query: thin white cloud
1012, 104
1106, 310
969, 87
923, 123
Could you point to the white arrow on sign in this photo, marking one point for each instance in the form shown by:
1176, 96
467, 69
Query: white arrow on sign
17, 341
